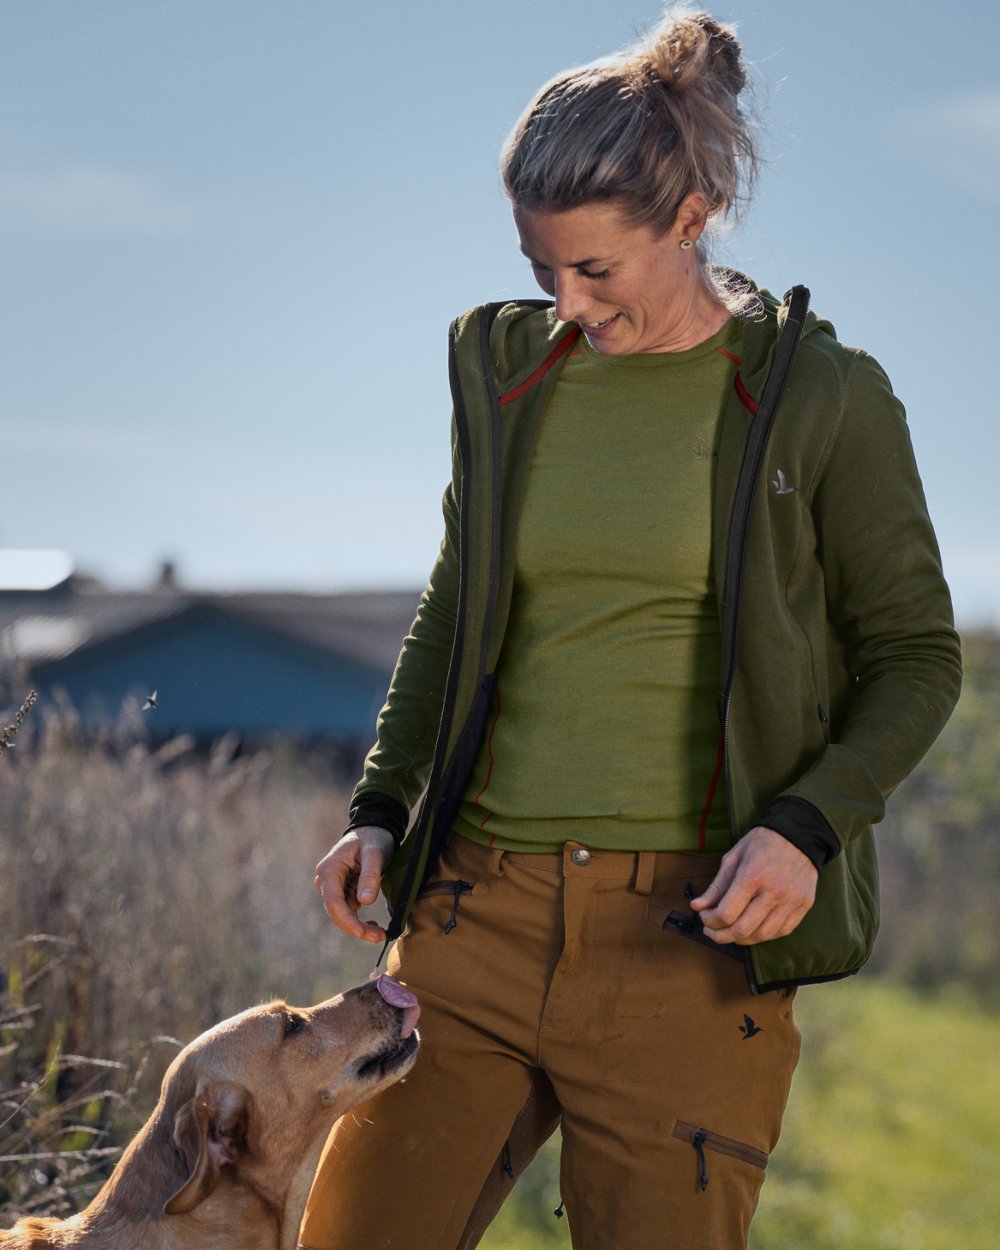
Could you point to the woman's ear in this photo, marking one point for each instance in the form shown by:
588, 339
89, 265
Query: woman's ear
692, 217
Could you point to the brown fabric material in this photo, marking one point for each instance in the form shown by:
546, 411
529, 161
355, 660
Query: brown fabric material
537, 1120
559, 975
645, 872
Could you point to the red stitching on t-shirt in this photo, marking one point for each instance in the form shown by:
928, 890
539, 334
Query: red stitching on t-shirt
710, 797
746, 399
562, 346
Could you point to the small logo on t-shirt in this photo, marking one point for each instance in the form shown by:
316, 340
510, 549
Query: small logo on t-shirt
703, 450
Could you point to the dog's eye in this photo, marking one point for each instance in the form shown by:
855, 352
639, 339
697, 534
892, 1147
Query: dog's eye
293, 1024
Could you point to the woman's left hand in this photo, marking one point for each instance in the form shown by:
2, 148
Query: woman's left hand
763, 888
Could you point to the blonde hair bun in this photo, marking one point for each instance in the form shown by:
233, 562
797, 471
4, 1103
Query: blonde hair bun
693, 52
645, 127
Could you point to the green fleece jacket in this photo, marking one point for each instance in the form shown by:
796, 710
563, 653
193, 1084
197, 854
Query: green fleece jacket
841, 659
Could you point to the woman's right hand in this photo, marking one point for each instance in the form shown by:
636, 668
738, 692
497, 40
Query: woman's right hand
349, 876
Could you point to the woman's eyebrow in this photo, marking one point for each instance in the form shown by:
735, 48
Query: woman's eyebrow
573, 264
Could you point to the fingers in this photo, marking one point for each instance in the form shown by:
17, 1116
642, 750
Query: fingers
724, 905
764, 887
715, 891
763, 919
349, 876
370, 875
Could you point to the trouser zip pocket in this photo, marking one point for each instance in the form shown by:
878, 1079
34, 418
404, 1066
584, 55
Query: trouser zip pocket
455, 888
705, 1143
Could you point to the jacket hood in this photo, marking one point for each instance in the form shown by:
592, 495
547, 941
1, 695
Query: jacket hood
763, 319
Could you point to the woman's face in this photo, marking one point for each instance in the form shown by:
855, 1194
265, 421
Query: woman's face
630, 289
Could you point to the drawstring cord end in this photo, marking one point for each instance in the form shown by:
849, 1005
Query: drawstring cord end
459, 888
699, 1145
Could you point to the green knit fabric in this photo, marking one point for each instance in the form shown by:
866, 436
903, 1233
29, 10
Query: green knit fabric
605, 725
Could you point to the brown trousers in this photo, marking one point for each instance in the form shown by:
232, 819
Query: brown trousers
549, 991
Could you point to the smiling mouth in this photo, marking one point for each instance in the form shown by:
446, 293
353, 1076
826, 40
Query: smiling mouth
598, 325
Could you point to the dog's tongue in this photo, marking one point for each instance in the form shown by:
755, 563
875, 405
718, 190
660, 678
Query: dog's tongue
397, 995
395, 992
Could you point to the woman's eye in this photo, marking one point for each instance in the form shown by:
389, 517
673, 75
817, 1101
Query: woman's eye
586, 273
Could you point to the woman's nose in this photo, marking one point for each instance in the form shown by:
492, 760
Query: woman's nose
571, 297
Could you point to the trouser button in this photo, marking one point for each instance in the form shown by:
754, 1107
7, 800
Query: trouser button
580, 856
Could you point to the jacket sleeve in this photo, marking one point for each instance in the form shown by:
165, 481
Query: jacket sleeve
888, 601
397, 767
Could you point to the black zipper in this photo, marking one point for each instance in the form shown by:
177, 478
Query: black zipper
437, 783
496, 452
739, 527
414, 866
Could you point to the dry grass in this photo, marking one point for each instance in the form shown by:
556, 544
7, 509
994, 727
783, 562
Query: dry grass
144, 895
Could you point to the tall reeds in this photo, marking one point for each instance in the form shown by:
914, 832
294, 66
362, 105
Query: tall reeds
145, 893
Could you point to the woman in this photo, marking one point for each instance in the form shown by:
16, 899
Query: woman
679, 646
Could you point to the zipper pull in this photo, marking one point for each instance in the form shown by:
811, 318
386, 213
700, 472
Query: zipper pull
699, 1144
459, 888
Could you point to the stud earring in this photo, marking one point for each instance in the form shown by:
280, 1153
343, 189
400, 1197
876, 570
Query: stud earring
686, 243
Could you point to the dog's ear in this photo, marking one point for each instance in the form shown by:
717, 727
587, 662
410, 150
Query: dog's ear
210, 1131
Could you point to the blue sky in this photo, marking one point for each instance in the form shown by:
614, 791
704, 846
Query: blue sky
234, 234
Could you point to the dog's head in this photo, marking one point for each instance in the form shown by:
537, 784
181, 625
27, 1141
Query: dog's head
258, 1093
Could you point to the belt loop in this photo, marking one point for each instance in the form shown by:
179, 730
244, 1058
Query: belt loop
645, 870
496, 861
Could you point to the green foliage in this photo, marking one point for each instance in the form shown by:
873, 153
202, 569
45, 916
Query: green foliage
892, 1134
528, 1220
938, 849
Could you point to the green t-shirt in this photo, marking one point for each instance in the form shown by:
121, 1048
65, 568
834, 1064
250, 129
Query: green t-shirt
605, 725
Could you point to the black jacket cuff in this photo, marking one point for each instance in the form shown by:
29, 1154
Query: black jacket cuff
804, 826
379, 809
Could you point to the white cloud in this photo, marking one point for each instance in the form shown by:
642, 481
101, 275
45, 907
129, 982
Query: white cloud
87, 197
957, 138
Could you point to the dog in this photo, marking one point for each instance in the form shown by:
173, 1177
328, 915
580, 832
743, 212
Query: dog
226, 1159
